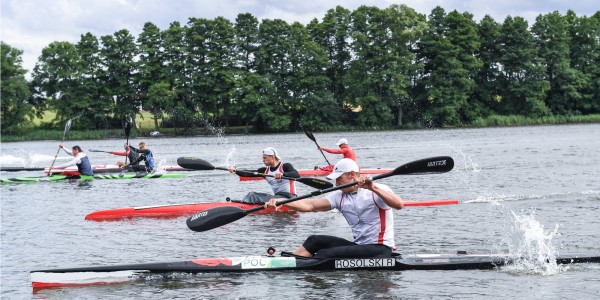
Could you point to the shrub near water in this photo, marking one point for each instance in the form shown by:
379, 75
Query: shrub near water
48, 134
514, 120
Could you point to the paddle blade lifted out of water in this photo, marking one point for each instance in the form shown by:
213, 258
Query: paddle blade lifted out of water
215, 217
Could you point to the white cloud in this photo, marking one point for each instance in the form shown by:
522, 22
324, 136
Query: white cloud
31, 25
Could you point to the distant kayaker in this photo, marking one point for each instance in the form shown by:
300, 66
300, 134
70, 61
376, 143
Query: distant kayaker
132, 156
367, 208
144, 155
281, 187
80, 160
344, 149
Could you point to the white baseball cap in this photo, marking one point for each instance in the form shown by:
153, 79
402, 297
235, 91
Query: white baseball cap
342, 141
343, 166
271, 151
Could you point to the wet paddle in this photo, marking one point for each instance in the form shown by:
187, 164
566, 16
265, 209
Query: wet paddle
312, 137
200, 164
67, 127
127, 132
216, 217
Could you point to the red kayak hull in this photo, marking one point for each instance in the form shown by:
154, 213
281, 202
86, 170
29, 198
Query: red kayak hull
322, 173
186, 210
168, 211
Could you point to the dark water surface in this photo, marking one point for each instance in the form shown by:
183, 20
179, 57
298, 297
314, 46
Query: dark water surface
530, 190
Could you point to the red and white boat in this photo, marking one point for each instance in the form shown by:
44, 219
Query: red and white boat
188, 209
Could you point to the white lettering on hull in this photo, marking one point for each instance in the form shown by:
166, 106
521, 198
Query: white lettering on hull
364, 263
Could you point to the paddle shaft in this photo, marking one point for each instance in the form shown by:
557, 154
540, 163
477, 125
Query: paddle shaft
200, 164
213, 218
92, 150
312, 137
320, 192
67, 127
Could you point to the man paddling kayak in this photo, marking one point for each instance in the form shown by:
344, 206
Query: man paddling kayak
344, 150
281, 187
368, 209
145, 155
133, 156
80, 160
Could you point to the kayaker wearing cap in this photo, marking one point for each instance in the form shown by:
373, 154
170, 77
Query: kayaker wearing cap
281, 187
344, 149
367, 208
80, 160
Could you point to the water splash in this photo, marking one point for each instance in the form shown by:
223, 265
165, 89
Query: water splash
30, 160
159, 167
532, 246
222, 140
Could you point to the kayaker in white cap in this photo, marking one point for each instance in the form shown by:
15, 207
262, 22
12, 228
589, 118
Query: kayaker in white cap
367, 207
281, 187
344, 149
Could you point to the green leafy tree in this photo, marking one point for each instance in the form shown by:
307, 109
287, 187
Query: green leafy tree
585, 58
151, 73
487, 89
14, 90
117, 54
334, 34
160, 98
552, 39
249, 87
523, 83
91, 88
273, 62
447, 49
57, 78
175, 54
221, 63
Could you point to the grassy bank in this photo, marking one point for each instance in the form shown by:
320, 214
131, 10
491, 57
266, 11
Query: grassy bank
146, 125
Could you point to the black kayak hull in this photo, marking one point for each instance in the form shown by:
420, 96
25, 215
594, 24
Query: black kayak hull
122, 273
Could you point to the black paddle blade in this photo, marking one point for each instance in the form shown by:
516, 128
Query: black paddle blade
432, 165
315, 182
127, 128
309, 135
215, 217
194, 163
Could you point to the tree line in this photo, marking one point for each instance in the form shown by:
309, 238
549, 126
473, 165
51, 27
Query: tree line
367, 68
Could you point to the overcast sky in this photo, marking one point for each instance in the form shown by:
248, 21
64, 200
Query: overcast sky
30, 25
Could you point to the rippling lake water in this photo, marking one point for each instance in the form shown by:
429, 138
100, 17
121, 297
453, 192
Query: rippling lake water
523, 189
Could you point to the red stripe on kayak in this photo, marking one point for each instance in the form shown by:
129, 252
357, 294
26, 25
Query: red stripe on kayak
44, 285
430, 202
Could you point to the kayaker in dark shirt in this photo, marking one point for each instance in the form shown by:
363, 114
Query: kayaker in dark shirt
281, 187
132, 156
80, 160
145, 155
